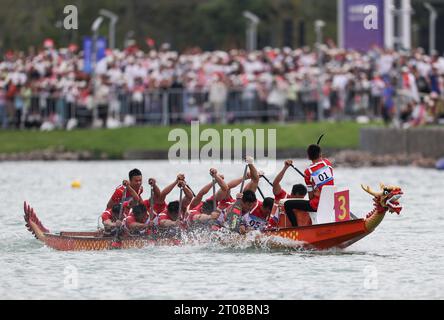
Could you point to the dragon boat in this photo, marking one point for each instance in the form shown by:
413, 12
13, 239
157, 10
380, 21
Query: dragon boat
333, 227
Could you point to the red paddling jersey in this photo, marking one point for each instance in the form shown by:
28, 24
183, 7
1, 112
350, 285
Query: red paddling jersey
117, 195
281, 196
108, 215
221, 204
157, 208
317, 176
131, 219
192, 215
164, 216
225, 203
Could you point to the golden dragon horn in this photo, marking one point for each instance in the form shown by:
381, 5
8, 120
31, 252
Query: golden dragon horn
370, 191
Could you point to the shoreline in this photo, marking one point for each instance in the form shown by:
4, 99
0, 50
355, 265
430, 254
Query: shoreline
339, 157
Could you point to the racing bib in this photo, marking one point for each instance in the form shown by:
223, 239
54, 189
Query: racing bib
322, 176
253, 222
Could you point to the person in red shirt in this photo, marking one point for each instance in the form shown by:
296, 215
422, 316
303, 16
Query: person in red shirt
127, 206
203, 214
170, 217
173, 216
138, 222
133, 190
278, 192
158, 200
279, 217
317, 175
197, 202
225, 198
298, 191
110, 220
255, 214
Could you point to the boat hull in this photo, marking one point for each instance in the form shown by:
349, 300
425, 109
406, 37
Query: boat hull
325, 236
316, 237
79, 243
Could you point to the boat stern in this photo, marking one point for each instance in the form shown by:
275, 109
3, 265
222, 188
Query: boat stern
33, 224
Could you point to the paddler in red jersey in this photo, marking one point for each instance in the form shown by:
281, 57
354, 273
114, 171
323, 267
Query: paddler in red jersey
113, 218
255, 214
298, 191
138, 222
173, 215
317, 175
133, 190
224, 197
110, 220
157, 198
170, 217
204, 212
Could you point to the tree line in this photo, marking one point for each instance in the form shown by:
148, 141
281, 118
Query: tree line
208, 24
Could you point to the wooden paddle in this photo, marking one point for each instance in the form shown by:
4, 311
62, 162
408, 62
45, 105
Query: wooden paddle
194, 195
261, 174
234, 216
266, 179
262, 194
117, 242
181, 215
298, 171
151, 204
320, 139
214, 194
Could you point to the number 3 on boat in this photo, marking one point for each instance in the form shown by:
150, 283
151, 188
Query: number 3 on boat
342, 206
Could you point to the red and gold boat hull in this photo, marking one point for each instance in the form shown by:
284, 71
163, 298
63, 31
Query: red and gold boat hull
317, 237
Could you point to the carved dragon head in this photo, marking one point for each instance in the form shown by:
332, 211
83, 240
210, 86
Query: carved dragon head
387, 199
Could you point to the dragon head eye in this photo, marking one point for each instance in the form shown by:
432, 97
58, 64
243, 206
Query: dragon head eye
386, 192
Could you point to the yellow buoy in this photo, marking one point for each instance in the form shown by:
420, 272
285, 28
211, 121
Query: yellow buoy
76, 184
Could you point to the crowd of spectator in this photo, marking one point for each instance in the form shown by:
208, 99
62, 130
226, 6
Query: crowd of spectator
47, 88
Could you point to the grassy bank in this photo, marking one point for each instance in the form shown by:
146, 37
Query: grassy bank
115, 142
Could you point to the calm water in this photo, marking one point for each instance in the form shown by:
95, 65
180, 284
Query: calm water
403, 259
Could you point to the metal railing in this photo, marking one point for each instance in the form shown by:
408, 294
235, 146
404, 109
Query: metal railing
176, 106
